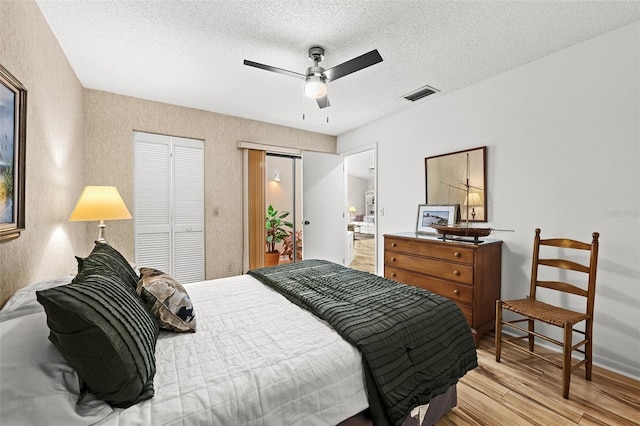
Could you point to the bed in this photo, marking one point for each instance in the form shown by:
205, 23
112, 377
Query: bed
256, 359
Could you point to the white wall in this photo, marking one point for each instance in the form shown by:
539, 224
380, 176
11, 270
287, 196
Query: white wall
563, 137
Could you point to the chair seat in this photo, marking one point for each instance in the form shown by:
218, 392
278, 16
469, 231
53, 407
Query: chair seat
544, 312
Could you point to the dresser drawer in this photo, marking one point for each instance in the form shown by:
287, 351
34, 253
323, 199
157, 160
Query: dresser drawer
457, 292
445, 270
446, 252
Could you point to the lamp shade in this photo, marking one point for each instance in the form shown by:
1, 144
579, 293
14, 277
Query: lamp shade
473, 200
352, 209
99, 203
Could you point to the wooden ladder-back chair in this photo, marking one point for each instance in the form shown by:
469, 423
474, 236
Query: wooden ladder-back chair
535, 310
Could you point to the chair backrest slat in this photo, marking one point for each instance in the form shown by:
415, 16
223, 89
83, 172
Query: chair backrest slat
564, 264
564, 287
566, 243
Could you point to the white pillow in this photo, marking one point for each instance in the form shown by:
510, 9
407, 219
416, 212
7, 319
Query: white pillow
38, 386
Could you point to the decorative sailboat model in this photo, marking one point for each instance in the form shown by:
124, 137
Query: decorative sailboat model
459, 231
462, 230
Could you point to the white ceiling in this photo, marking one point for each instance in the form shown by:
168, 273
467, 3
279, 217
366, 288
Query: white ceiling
191, 53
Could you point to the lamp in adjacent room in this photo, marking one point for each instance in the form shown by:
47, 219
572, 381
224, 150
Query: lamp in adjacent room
276, 176
352, 211
99, 203
473, 200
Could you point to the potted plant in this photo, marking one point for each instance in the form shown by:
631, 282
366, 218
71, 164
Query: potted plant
276, 232
287, 246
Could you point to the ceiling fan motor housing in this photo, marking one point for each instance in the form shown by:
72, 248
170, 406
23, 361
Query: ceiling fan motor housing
315, 70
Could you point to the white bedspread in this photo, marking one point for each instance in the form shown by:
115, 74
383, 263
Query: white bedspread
256, 359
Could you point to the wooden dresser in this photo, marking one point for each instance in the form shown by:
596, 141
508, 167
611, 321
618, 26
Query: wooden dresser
467, 273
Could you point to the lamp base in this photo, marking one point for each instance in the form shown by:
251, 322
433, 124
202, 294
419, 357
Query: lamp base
101, 232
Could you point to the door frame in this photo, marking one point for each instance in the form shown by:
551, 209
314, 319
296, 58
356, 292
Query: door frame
371, 147
253, 199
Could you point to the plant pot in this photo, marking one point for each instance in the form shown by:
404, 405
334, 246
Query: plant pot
271, 258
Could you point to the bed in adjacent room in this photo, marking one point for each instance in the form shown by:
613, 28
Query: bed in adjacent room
256, 358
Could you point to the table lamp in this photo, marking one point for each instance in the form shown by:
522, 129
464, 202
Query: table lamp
473, 200
352, 211
99, 203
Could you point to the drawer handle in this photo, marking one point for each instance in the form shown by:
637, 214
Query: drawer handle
393, 259
456, 292
456, 273
394, 245
456, 254
393, 274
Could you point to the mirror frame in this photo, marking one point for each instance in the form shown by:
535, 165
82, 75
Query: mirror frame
446, 181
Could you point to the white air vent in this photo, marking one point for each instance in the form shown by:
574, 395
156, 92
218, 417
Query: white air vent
420, 93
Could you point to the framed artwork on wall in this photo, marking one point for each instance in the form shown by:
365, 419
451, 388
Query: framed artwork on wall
459, 178
13, 127
435, 215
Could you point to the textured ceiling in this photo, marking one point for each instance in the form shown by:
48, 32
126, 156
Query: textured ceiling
191, 53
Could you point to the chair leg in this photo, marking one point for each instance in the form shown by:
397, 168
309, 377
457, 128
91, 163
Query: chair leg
566, 359
588, 349
531, 336
498, 329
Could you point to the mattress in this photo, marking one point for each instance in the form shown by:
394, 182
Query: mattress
256, 359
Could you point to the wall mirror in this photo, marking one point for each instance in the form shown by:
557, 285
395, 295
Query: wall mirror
459, 178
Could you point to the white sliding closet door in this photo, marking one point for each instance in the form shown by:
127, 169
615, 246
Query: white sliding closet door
169, 205
188, 218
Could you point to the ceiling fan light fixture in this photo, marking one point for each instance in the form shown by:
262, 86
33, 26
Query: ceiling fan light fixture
315, 87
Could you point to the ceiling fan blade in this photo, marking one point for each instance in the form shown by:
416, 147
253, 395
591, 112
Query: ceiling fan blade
274, 69
323, 102
355, 64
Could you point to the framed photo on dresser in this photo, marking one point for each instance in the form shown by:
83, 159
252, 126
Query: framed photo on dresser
435, 215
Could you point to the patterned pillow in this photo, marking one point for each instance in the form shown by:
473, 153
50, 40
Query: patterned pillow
106, 260
106, 335
168, 300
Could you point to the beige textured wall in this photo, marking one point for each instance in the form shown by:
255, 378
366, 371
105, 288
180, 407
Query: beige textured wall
110, 120
54, 151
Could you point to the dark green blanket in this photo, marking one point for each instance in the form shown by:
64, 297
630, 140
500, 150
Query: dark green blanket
414, 344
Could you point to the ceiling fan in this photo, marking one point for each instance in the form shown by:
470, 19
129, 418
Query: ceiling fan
316, 77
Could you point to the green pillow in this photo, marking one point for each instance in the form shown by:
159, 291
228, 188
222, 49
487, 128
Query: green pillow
106, 335
106, 260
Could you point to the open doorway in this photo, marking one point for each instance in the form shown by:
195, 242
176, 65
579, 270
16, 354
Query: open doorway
360, 168
322, 200
284, 194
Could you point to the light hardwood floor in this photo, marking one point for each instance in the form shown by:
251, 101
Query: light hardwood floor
363, 255
523, 390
